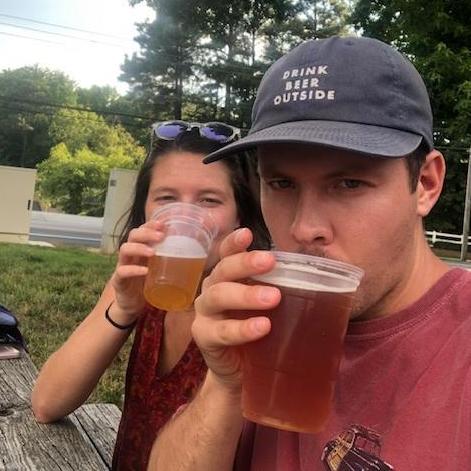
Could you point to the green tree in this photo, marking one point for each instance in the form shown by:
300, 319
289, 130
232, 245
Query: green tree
98, 98
236, 32
436, 36
166, 62
309, 20
75, 175
27, 99
204, 59
80, 129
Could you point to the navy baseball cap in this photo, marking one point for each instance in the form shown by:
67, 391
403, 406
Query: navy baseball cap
351, 93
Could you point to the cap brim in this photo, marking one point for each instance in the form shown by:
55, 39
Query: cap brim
361, 138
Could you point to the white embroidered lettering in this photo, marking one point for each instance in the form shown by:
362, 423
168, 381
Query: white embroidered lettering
292, 96
311, 70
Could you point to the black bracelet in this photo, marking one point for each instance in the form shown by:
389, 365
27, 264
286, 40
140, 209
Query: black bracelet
115, 324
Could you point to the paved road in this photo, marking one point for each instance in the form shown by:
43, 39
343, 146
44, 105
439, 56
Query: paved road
66, 229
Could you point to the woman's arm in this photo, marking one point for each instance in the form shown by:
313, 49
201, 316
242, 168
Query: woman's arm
69, 376
71, 373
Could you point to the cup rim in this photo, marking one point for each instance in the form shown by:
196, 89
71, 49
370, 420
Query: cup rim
342, 268
201, 215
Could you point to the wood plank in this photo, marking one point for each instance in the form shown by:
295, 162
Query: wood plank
16, 381
27, 445
99, 423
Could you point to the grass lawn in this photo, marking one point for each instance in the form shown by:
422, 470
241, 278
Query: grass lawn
51, 290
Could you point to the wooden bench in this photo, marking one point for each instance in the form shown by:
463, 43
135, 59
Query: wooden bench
82, 441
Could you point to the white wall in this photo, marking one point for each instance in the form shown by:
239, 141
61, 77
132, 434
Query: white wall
16, 203
118, 201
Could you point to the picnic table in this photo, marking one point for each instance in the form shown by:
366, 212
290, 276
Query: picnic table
82, 441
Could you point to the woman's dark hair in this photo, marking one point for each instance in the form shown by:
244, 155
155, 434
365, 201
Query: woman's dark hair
244, 181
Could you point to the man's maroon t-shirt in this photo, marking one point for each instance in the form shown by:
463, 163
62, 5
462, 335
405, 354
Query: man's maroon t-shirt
403, 395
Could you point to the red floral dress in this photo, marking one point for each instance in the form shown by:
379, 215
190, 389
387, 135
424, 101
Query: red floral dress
150, 399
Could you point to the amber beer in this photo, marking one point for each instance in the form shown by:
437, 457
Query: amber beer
176, 268
175, 273
289, 375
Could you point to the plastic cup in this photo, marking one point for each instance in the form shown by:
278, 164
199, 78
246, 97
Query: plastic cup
288, 377
177, 265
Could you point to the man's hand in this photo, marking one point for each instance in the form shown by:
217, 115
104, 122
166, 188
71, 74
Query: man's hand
213, 330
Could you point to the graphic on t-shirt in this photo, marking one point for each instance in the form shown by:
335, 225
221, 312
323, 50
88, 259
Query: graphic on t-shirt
357, 448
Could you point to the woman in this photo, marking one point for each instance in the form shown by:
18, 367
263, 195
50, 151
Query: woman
165, 366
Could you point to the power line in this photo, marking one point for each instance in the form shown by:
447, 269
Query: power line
63, 35
56, 25
29, 37
72, 107
66, 118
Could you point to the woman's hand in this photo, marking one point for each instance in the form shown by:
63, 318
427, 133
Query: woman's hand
214, 332
131, 270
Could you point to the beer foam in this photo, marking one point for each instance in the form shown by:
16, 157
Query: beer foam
334, 284
180, 247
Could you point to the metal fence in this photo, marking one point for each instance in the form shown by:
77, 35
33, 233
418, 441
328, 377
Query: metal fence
433, 237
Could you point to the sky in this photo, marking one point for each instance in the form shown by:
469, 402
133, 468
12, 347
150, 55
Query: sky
88, 43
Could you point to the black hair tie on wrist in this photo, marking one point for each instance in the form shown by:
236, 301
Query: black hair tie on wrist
115, 324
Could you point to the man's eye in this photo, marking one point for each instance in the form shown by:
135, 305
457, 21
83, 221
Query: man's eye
351, 184
280, 184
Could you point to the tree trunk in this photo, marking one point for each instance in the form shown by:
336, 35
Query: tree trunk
177, 106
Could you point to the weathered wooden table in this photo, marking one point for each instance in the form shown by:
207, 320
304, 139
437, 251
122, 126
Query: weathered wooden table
83, 441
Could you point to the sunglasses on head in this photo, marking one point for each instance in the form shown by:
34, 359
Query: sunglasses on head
214, 131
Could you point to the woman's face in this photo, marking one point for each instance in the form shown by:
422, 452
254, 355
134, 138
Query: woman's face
181, 176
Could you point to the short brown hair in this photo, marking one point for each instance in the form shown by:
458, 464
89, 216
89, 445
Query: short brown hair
414, 162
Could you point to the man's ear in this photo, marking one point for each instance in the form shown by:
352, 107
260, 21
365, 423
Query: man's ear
430, 182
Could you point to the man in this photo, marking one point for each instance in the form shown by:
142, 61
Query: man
343, 131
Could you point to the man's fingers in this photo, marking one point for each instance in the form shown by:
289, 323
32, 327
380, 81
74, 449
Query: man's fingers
230, 332
241, 266
238, 296
235, 242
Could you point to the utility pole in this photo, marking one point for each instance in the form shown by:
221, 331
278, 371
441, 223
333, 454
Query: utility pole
467, 210
24, 128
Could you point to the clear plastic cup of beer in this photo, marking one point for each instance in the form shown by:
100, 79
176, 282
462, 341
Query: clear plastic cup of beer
288, 377
176, 268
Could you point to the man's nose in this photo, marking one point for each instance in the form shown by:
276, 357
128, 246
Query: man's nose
311, 224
